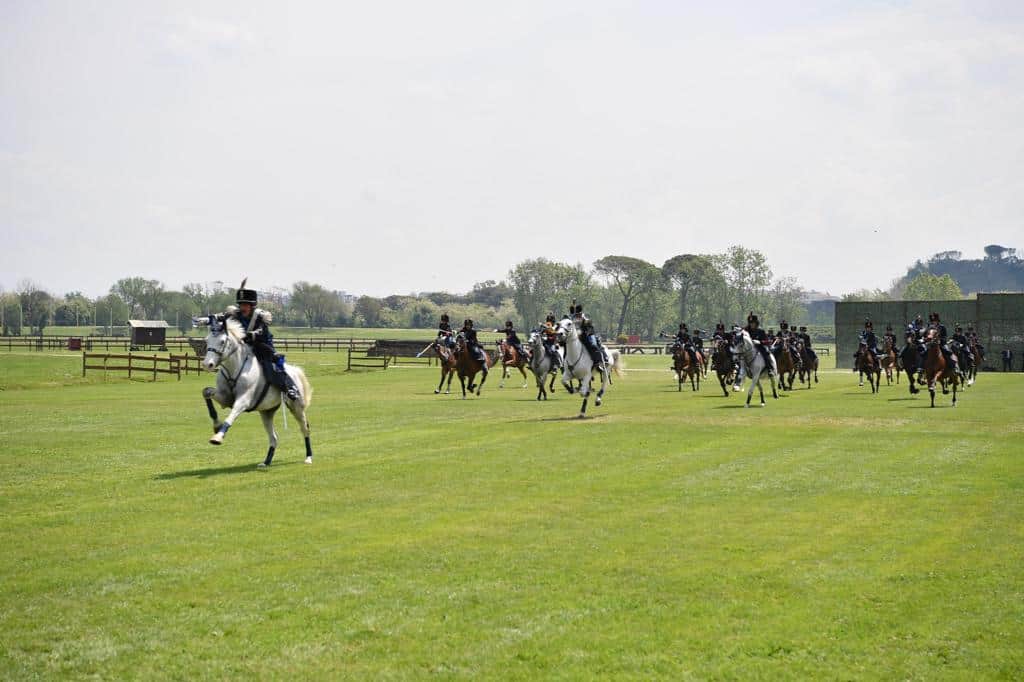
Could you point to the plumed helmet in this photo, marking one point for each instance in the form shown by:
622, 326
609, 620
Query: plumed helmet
933, 316
550, 318
682, 325
868, 324
752, 319
467, 322
720, 326
246, 296
444, 317
783, 325
958, 328
579, 309
508, 323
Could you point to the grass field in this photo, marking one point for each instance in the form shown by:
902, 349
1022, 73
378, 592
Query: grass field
672, 535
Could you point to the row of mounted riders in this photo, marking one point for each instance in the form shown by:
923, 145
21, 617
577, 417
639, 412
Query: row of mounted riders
461, 350
790, 348
929, 356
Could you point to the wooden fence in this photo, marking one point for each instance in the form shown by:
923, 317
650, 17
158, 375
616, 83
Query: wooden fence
146, 364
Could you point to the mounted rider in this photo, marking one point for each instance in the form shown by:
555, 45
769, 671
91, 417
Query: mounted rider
256, 323
972, 337
805, 338
683, 340
868, 338
890, 336
587, 334
473, 346
760, 339
512, 339
787, 334
549, 336
445, 336
934, 323
963, 347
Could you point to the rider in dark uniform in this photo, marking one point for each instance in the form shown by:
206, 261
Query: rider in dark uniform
870, 340
760, 339
787, 334
936, 324
549, 334
444, 332
972, 337
473, 346
587, 334
806, 339
256, 323
890, 336
683, 340
964, 346
512, 339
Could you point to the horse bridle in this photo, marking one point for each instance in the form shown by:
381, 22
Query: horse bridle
221, 355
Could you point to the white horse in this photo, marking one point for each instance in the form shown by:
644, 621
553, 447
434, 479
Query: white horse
753, 363
578, 364
542, 365
242, 387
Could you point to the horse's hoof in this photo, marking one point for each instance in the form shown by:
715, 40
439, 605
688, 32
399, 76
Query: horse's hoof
261, 466
309, 460
581, 416
597, 402
447, 392
437, 391
764, 405
217, 438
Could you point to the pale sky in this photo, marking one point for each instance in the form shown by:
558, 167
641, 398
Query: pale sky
390, 147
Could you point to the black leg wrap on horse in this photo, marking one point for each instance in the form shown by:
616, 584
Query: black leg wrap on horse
270, 455
309, 448
211, 409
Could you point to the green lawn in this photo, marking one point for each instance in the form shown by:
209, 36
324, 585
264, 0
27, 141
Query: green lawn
832, 534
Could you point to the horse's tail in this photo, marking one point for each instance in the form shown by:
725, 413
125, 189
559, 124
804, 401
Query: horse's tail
617, 365
307, 388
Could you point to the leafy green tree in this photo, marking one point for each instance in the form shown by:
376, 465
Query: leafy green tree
316, 304
747, 275
540, 286
689, 274
369, 310
36, 304
785, 301
630, 276
929, 287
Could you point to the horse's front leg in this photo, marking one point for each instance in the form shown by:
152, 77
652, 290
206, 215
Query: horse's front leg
237, 409
268, 424
209, 394
299, 411
567, 381
522, 370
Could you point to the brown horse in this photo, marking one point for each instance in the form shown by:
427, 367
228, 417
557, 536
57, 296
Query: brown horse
684, 367
445, 358
889, 361
937, 369
808, 364
724, 364
510, 357
785, 363
866, 365
468, 366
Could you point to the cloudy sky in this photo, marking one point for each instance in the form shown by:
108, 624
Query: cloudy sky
390, 147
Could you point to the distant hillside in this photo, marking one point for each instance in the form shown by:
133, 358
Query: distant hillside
1000, 270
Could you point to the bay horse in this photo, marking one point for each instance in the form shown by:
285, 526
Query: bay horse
979, 357
889, 362
684, 367
468, 366
937, 369
723, 363
754, 363
808, 363
242, 386
510, 358
784, 361
866, 365
541, 365
579, 365
445, 358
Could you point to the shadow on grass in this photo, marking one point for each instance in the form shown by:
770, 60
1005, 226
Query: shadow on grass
720, 397
909, 397
570, 418
216, 471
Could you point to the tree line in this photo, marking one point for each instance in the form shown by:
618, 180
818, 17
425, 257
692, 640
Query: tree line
622, 294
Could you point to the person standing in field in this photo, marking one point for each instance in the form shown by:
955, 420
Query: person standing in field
1007, 360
